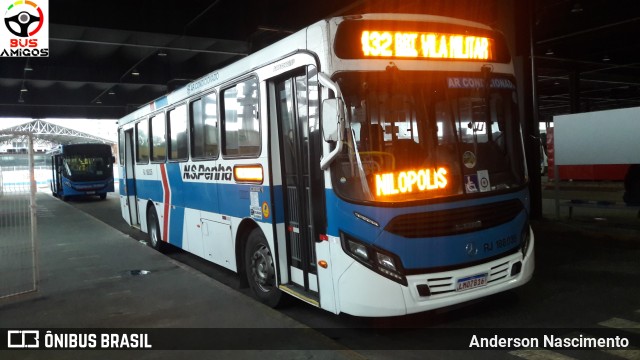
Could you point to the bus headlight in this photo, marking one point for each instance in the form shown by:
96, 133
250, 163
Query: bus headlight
358, 249
386, 261
378, 260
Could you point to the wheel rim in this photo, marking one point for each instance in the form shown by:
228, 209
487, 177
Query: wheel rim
153, 231
262, 268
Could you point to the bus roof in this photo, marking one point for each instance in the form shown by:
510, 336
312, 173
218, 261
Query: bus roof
274, 52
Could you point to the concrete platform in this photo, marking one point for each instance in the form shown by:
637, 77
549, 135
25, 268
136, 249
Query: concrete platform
90, 277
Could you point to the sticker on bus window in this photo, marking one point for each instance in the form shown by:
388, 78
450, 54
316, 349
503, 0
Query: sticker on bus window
483, 180
471, 183
469, 159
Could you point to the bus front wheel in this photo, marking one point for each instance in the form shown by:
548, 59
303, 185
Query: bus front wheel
153, 229
260, 269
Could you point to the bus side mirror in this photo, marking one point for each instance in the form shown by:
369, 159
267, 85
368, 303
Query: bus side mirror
332, 128
331, 123
113, 159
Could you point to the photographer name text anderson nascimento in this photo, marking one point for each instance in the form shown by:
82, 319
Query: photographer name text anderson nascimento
548, 341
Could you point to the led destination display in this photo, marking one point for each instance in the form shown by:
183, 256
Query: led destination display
418, 40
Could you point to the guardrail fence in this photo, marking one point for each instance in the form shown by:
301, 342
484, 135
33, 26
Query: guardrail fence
18, 229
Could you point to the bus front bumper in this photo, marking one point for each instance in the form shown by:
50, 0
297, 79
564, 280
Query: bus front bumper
361, 292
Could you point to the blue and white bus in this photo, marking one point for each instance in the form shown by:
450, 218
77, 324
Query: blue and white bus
81, 170
370, 165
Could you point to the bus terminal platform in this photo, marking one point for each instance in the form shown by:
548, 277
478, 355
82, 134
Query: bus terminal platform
93, 276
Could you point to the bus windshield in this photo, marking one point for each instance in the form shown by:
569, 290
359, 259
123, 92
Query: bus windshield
418, 136
84, 168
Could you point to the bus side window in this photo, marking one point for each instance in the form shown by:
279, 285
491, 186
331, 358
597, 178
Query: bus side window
158, 138
240, 122
142, 142
179, 143
204, 127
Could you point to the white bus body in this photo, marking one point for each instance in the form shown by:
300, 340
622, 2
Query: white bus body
258, 203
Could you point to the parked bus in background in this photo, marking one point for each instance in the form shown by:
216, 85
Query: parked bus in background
81, 170
370, 165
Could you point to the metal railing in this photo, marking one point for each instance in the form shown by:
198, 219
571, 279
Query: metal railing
18, 230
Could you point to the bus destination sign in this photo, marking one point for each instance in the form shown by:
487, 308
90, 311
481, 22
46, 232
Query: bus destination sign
425, 45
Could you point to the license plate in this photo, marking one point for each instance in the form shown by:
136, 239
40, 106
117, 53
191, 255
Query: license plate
471, 282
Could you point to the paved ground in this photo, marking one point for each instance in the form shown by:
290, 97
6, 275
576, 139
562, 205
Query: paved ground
93, 276
87, 282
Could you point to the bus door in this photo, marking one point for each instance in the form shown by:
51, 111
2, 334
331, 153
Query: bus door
130, 204
56, 181
299, 191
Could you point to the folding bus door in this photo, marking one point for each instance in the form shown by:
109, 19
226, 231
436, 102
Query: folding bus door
299, 179
130, 204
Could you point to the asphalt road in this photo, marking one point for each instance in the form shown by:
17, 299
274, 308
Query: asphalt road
587, 279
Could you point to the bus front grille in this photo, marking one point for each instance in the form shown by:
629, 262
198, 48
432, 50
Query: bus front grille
440, 285
455, 221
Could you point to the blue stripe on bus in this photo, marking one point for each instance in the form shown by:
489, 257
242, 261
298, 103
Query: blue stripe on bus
452, 250
228, 199
149, 189
70, 191
419, 253
176, 222
126, 185
163, 101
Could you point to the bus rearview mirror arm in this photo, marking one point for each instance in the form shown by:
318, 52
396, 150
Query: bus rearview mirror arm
332, 120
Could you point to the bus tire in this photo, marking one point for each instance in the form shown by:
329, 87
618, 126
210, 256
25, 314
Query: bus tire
260, 269
103, 196
153, 229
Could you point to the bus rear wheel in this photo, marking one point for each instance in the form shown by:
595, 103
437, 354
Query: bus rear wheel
153, 229
260, 269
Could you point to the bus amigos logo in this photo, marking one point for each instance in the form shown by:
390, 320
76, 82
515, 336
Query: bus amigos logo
25, 28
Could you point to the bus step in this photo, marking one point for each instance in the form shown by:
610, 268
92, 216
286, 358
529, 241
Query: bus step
298, 292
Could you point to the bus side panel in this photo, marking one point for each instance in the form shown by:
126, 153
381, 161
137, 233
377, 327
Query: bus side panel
200, 200
218, 242
176, 205
325, 277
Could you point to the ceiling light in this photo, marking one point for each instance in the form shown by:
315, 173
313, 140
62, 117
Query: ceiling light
20, 99
162, 53
135, 72
24, 89
577, 7
606, 57
98, 101
111, 92
28, 68
549, 52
